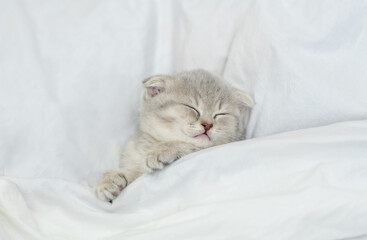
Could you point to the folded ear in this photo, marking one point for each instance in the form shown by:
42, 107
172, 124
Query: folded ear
244, 100
154, 85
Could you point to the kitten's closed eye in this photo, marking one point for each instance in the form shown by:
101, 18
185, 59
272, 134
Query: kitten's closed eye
197, 112
220, 114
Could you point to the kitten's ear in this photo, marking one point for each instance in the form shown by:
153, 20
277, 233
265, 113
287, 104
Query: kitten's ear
245, 101
154, 85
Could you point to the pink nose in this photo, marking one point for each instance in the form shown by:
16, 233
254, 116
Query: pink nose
207, 126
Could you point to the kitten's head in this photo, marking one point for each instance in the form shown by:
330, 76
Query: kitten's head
194, 107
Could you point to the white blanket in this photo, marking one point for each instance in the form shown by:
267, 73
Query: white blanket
308, 184
70, 81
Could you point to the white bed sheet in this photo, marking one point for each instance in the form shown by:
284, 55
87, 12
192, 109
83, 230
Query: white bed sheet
303, 62
308, 184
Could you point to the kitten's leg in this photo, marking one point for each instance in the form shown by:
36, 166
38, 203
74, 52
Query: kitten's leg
113, 182
138, 162
165, 153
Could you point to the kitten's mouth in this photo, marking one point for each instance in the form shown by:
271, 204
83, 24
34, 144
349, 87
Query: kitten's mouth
203, 136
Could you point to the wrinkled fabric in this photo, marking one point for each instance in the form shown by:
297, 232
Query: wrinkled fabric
308, 184
303, 62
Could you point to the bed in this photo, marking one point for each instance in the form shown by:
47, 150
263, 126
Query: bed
70, 86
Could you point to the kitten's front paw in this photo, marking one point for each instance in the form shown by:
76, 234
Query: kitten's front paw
158, 160
111, 185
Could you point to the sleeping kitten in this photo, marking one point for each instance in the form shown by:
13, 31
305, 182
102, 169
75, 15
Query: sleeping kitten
180, 114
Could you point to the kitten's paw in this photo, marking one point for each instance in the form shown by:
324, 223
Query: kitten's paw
110, 185
157, 161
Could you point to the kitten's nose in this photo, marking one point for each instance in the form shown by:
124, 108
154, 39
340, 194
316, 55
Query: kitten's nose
207, 126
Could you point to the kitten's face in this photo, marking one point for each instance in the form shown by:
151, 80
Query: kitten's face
193, 107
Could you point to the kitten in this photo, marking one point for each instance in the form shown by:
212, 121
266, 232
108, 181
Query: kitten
180, 114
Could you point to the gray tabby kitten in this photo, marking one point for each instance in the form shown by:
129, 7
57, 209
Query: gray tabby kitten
180, 114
